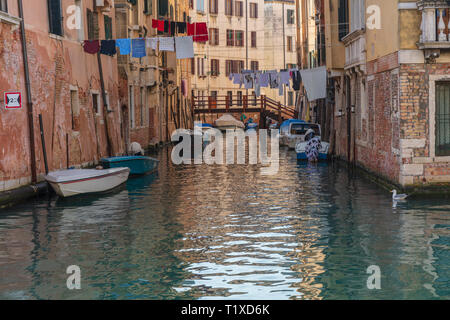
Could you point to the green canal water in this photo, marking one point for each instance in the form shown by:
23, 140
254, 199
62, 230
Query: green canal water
227, 232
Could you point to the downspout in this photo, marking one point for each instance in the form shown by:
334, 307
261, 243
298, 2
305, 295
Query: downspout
29, 96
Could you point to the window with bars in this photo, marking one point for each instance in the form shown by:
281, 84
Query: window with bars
214, 36
230, 38
290, 16
200, 67
4, 5
253, 10
290, 98
443, 119
239, 38
163, 8
253, 42
108, 27
239, 9
229, 7
214, 67
213, 6
92, 25
55, 17
239, 98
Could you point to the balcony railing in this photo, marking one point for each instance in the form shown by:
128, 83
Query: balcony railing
355, 48
435, 24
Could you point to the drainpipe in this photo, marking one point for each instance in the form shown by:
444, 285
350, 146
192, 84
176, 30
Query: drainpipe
29, 97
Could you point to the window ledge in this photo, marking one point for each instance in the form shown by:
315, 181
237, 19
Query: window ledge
7, 18
55, 36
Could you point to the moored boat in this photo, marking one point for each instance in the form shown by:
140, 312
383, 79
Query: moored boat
228, 122
300, 149
293, 132
68, 183
138, 164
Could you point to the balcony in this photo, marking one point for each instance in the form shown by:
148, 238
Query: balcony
355, 49
435, 26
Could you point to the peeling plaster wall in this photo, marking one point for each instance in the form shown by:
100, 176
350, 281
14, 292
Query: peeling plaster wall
57, 66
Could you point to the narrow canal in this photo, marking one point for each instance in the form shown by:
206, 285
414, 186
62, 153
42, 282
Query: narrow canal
227, 232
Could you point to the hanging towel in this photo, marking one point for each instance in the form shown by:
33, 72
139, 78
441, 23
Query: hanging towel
237, 78
185, 47
173, 27
264, 80
166, 26
91, 46
138, 48
201, 32
315, 82
152, 43
248, 81
273, 80
154, 23
181, 27
124, 46
285, 78
161, 25
166, 44
190, 29
108, 47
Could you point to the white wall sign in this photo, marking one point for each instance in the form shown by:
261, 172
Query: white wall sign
13, 100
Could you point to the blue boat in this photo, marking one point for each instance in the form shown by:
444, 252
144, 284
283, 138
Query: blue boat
138, 165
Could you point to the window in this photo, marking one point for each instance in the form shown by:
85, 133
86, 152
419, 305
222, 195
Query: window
239, 38
79, 10
75, 108
290, 98
230, 97
239, 9
230, 38
343, 18
143, 100
132, 108
228, 67
193, 66
148, 7
233, 66
253, 10
254, 65
92, 24
213, 7
290, 16
214, 67
357, 18
214, 96
290, 45
55, 17
4, 5
96, 104
200, 5
229, 7
239, 98
163, 7
442, 119
200, 67
253, 34
108, 27
214, 36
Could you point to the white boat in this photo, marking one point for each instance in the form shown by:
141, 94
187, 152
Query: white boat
228, 122
68, 183
300, 149
294, 131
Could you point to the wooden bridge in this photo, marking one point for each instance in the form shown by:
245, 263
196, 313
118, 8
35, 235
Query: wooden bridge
266, 107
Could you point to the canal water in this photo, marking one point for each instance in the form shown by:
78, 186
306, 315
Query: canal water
228, 232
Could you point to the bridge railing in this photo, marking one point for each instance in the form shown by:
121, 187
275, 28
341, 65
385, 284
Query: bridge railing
244, 103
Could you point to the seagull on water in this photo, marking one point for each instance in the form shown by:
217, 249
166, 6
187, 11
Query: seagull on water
396, 197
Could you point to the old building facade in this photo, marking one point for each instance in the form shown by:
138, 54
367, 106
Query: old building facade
392, 103
81, 117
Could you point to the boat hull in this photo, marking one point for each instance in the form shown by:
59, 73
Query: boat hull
301, 154
99, 183
138, 165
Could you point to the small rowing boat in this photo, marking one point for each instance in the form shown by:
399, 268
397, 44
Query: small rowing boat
68, 183
138, 164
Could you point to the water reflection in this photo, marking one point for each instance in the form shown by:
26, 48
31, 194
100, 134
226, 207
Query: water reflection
227, 232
